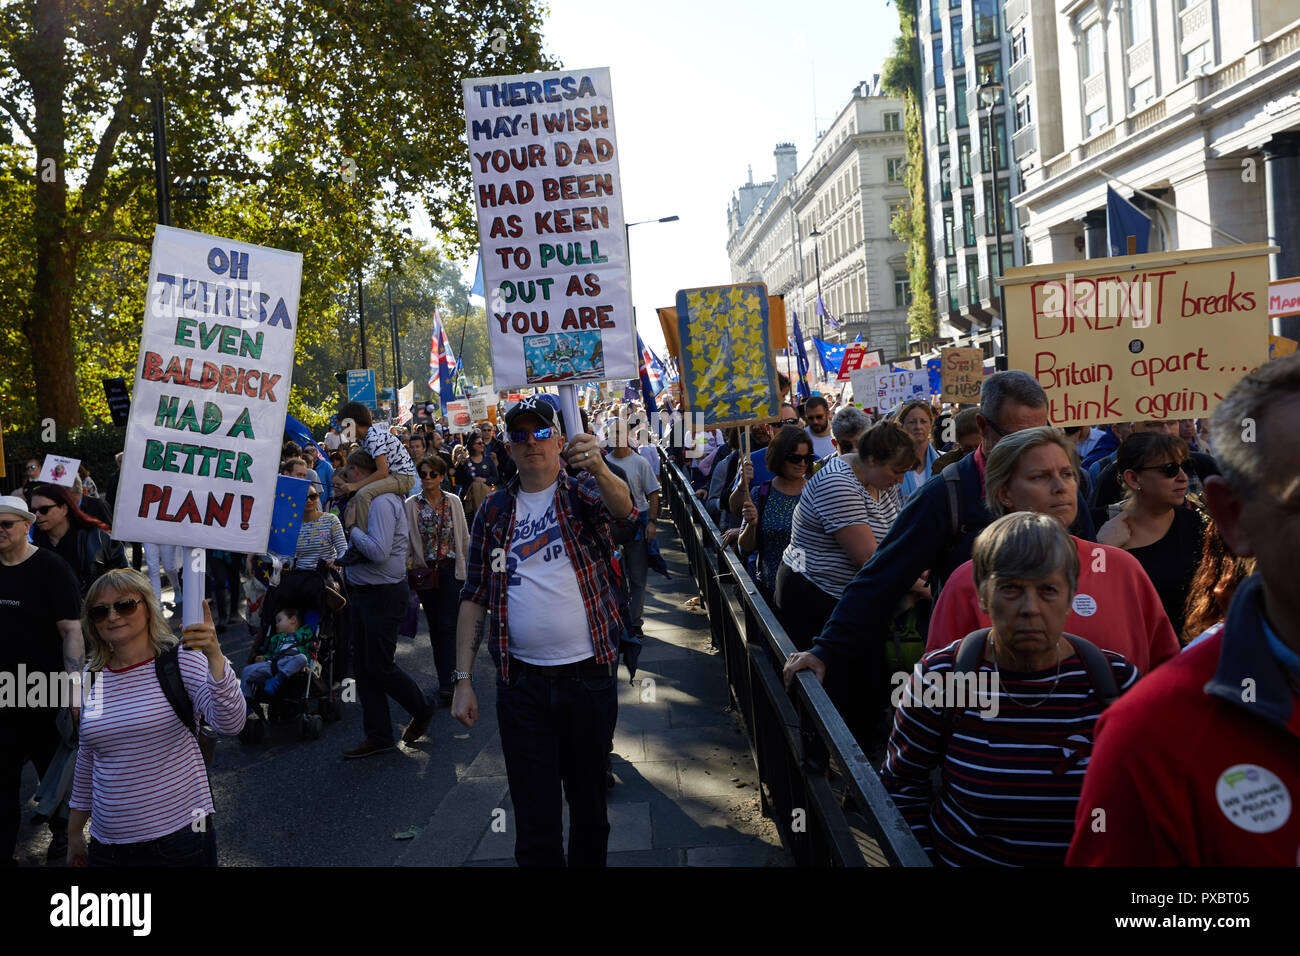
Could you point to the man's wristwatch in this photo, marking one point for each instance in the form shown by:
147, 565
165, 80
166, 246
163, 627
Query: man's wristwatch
461, 675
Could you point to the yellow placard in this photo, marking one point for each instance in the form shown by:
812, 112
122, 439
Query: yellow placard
1156, 336
1279, 346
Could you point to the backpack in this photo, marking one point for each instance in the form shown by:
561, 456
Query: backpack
970, 652
167, 668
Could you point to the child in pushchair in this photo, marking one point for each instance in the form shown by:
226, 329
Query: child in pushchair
285, 653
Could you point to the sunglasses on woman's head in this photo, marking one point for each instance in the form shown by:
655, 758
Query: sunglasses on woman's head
123, 606
1171, 468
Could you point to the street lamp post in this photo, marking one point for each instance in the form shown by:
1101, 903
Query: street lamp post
392, 325
990, 93
817, 264
361, 317
627, 247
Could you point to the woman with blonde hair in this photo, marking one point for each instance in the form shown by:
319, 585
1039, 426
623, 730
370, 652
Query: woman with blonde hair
140, 777
917, 419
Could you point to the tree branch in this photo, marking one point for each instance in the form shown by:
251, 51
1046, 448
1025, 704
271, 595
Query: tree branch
102, 236
12, 110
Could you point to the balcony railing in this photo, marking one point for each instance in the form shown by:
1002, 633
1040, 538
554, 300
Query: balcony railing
1024, 141
1281, 45
1013, 11
1020, 74
1148, 117
1099, 143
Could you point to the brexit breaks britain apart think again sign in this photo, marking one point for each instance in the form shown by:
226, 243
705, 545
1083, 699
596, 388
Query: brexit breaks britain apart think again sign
550, 219
1147, 337
211, 392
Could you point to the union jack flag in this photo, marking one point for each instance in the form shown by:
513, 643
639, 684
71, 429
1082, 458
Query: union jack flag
442, 362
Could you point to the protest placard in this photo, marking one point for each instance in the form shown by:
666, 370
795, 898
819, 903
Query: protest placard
1283, 298
478, 407
962, 371
858, 356
119, 401
897, 386
1156, 336
1279, 346
459, 420
728, 374
210, 394
58, 470
865, 385
405, 396
550, 216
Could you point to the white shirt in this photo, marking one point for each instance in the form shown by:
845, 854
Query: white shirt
333, 440
544, 609
822, 447
641, 480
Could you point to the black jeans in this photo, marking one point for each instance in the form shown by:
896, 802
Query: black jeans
30, 736
226, 585
801, 606
556, 732
184, 847
441, 605
376, 612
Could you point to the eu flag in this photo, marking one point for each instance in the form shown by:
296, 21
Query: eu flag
286, 516
1123, 219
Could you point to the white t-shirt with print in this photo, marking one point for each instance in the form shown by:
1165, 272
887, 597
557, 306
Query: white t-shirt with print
545, 618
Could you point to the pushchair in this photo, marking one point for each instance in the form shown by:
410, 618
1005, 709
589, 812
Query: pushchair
308, 697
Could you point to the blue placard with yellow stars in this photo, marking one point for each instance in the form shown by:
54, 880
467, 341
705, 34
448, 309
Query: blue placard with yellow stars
727, 371
286, 516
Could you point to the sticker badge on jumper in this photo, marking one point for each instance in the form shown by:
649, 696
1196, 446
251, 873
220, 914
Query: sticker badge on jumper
1253, 798
1085, 605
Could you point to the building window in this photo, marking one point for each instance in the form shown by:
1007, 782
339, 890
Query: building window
1194, 59
949, 242
1004, 208
902, 290
938, 61
936, 24
941, 118
893, 122
1000, 131
894, 209
952, 285
958, 48
960, 91
1139, 21
1143, 93
945, 176
1024, 114
968, 219
972, 275
986, 20
1093, 50
1019, 44
988, 68
894, 169
1096, 121
963, 151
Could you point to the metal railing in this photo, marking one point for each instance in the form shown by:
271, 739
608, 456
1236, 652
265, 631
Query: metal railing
809, 764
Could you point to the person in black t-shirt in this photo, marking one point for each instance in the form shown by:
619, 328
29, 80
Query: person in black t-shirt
40, 611
1157, 525
84, 542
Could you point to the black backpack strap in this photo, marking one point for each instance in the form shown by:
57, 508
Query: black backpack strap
952, 482
167, 666
1100, 674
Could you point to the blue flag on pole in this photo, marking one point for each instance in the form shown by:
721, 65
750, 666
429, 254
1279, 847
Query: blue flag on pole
286, 516
1123, 219
801, 361
821, 311
477, 288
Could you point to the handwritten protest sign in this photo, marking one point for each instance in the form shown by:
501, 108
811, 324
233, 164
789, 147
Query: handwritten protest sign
895, 387
728, 374
1283, 297
857, 356
210, 394
863, 382
58, 470
1156, 336
962, 371
550, 216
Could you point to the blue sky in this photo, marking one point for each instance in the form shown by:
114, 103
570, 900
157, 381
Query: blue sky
702, 90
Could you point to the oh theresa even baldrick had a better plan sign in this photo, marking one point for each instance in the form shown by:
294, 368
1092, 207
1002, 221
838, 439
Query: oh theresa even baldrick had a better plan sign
550, 221
211, 392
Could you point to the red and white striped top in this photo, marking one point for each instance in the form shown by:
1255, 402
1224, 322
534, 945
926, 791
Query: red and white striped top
139, 770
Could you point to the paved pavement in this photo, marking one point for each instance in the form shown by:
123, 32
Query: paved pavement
686, 792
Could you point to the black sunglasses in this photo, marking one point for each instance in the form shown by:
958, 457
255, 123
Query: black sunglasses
311, 495
44, 509
541, 434
123, 606
429, 474
801, 459
1171, 468
6, 525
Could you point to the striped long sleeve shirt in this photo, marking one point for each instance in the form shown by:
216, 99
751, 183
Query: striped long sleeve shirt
1010, 780
139, 770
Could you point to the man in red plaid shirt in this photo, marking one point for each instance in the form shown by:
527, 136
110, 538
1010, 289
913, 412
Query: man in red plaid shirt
535, 562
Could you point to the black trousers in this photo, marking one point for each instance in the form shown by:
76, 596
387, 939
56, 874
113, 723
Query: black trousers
30, 737
185, 847
556, 733
376, 614
801, 606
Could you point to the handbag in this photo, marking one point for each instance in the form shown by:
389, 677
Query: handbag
411, 621
423, 579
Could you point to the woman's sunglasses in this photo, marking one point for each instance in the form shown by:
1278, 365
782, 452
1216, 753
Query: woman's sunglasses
801, 459
429, 474
312, 496
123, 606
44, 509
1171, 468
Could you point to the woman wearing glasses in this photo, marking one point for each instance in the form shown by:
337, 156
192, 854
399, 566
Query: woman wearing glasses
769, 510
439, 543
140, 778
477, 475
1156, 525
79, 539
917, 419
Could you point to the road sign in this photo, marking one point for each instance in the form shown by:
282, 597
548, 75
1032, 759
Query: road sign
361, 387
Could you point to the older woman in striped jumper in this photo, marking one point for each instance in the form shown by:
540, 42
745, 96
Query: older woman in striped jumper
140, 777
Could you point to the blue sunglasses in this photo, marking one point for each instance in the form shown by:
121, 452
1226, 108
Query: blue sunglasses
541, 434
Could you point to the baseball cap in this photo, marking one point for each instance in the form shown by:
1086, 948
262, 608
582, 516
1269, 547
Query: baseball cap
532, 405
13, 505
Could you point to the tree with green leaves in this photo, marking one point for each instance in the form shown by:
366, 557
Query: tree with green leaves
318, 126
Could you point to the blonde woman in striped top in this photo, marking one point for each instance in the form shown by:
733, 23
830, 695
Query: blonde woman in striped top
140, 779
